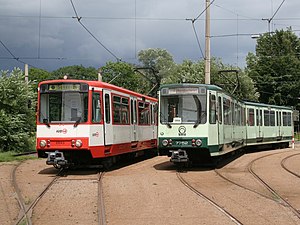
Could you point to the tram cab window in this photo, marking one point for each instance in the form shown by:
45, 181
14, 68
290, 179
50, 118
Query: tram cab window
186, 108
63, 107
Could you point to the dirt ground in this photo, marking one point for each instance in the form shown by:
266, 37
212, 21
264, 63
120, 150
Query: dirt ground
149, 192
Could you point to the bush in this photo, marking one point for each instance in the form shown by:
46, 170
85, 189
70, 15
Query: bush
17, 119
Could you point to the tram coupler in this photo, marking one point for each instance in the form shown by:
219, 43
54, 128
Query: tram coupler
179, 156
56, 159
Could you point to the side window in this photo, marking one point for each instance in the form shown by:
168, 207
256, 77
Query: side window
120, 110
144, 113
96, 108
212, 109
107, 108
266, 118
250, 117
272, 118
220, 114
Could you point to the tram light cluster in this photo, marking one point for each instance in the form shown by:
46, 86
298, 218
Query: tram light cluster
197, 142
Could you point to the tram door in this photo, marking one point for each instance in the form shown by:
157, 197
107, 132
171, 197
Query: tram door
133, 114
220, 119
278, 118
108, 128
259, 134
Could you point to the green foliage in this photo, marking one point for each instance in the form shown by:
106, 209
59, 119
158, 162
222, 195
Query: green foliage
122, 74
17, 120
275, 68
158, 64
75, 72
37, 75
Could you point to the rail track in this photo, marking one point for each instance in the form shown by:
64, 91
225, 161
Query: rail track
212, 202
285, 167
266, 185
26, 211
274, 195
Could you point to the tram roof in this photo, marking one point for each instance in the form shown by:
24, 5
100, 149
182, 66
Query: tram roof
101, 84
208, 86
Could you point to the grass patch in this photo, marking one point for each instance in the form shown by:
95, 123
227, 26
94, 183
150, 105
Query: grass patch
10, 156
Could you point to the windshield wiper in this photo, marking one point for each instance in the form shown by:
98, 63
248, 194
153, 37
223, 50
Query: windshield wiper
77, 122
45, 121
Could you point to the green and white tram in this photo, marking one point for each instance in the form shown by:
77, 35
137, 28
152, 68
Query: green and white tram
198, 121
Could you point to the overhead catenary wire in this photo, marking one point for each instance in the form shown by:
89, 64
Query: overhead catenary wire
13, 56
79, 21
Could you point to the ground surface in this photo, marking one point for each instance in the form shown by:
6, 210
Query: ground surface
149, 192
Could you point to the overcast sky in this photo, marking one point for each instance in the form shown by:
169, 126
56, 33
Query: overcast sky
47, 35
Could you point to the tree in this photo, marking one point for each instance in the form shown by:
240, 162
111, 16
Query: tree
158, 64
275, 67
76, 72
235, 82
36, 75
123, 75
17, 119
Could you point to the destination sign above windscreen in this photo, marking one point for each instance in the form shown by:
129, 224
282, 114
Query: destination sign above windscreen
184, 91
64, 87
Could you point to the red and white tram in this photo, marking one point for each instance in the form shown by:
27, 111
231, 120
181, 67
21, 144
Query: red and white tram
87, 122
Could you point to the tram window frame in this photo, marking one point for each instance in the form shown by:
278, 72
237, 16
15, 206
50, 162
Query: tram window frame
107, 108
287, 120
120, 110
272, 118
212, 108
227, 111
96, 108
143, 113
266, 118
251, 119
220, 114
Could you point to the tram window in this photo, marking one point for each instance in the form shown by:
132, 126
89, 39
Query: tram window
250, 117
266, 118
220, 115
227, 111
107, 108
121, 109
272, 118
96, 109
257, 117
144, 113
287, 121
212, 109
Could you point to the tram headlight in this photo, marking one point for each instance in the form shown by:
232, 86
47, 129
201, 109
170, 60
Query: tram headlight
78, 143
164, 142
198, 142
43, 143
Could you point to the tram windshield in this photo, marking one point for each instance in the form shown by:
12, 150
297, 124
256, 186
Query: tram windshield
183, 109
66, 107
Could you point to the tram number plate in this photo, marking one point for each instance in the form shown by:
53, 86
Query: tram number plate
60, 142
181, 142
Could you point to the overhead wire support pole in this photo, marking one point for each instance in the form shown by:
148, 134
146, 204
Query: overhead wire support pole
207, 43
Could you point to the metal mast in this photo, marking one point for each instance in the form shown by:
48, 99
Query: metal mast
207, 43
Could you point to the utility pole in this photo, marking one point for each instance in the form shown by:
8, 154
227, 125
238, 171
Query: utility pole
26, 73
207, 43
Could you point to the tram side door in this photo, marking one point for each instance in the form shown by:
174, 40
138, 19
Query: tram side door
108, 128
258, 123
133, 114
